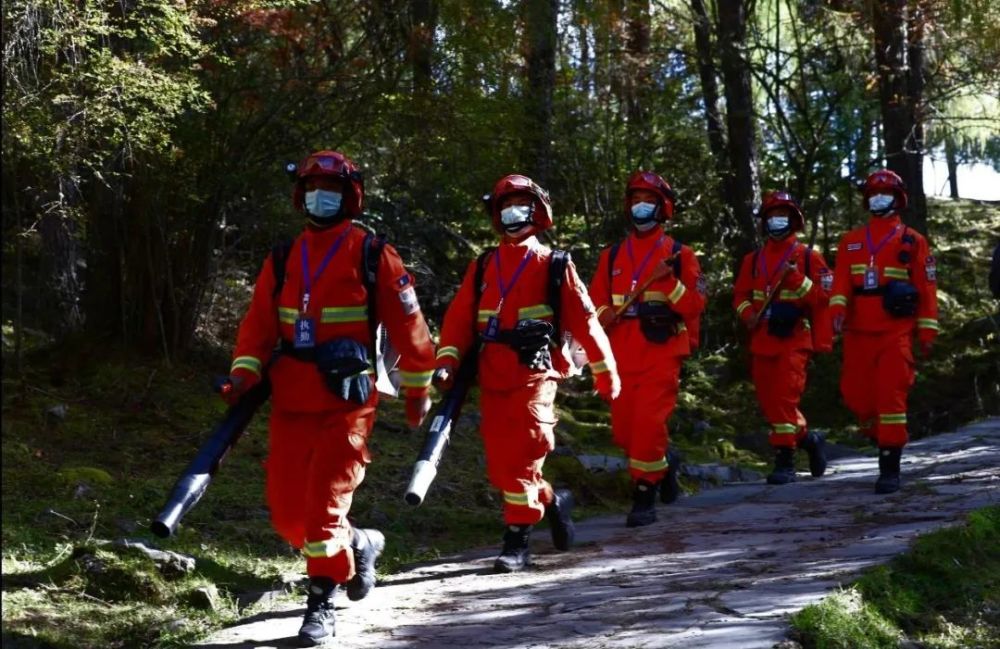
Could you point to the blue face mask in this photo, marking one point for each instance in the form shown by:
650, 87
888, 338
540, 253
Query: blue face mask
323, 203
777, 226
515, 217
881, 204
644, 216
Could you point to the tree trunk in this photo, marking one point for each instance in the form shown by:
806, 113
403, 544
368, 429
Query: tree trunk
637, 82
540, 56
900, 60
744, 194
710, 94
951, 158
423, 21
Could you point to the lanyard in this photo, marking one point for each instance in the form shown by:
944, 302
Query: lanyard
763, 265
872, 253
637, 272
306, 281
505, 288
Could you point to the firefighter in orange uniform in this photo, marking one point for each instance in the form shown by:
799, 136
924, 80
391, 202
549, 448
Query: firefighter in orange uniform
651, 338
785, 333
319, 314
884, 289
510, 311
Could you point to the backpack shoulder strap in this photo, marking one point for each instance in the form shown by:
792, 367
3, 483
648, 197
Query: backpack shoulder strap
612, 255
754, 263
371, 254
557, 273
477, 285
279, 261
808, 261
676, 252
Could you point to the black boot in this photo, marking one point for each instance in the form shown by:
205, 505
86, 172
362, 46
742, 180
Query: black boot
319, 623
561, 523
643, 508
888, 470
784, 466
815, 446
515, 554
367, 546
670, 488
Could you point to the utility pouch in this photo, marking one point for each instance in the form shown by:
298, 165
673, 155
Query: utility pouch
900, 299
532, 340
343, 364
783, 318
657, 321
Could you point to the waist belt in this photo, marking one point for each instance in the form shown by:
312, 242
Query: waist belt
879, 290
306, 355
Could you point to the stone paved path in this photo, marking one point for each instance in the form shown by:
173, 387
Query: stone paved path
719, 569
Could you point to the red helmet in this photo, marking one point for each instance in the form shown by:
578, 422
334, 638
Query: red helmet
780, 198
333, 165
883, 181
541, 215
651, 182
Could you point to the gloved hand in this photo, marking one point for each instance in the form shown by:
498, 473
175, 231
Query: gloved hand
240, 381
837, 316
418, 404
925, 338
608, 385
444, 377
606, 317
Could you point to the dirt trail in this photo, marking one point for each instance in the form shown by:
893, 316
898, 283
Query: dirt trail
719, 569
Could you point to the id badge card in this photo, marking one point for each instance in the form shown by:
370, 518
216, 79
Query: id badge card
871, 278
305, 333
492, 328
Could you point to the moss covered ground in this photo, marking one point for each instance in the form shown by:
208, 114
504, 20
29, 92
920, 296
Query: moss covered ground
93, 438
942, 594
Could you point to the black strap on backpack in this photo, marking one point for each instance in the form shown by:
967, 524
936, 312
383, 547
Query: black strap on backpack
371, 254
807, 267
613, 253
279, 259
557, 273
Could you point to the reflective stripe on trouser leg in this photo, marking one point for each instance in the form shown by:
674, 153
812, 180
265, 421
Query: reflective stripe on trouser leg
779, 381
858, 377
517, 430
639, 419
895, 378
334, 470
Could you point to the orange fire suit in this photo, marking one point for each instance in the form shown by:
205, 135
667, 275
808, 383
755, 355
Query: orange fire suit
318, 441
878, 348
518, 415
650, 371
778, 365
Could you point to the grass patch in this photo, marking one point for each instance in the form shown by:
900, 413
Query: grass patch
944, 593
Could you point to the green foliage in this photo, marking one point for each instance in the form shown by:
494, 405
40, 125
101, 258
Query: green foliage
943, 592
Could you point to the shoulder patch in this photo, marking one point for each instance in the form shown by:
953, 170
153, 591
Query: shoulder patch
404, 280
408, 298
702, 284
930, 268
616, 272
854, 246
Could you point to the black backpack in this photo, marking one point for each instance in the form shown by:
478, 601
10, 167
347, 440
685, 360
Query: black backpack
557, 273
613, 254
370, 256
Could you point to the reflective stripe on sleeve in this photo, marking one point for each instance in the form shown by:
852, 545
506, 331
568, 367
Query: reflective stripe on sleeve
415, 379
449, 351
649, 467
838, 300
251, 363
928, 323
